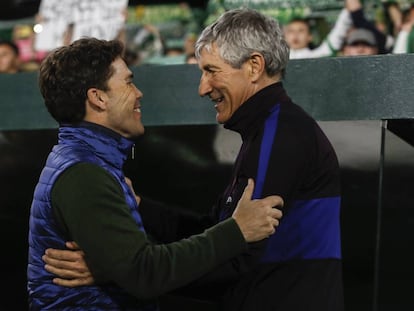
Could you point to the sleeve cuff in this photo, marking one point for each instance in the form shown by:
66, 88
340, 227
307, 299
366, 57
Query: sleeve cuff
228, 238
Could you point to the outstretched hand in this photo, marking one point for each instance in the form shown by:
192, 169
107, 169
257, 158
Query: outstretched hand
257, 219
68, 265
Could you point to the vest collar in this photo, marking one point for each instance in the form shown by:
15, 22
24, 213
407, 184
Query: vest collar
104, 142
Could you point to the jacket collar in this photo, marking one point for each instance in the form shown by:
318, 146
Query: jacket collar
255, 110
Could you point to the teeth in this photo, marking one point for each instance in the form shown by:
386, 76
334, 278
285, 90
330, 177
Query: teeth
137, 109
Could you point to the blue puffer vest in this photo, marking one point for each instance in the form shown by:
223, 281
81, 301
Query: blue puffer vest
86, 143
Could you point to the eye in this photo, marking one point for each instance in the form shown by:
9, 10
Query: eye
210, 72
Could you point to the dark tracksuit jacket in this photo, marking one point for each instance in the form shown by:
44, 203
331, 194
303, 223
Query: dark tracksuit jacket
299, 267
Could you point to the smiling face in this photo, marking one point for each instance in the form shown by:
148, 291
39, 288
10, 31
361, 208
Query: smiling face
297, 35
226, 86
121, 102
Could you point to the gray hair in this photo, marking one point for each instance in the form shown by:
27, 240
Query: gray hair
240, 32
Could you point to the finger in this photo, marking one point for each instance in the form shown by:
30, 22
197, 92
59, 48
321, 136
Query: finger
62, 264
65, 273
275, 222
271, 231
276, 213
64, 255
72, 245
128, 182
248, 191
273, 201
277, 201
74, 282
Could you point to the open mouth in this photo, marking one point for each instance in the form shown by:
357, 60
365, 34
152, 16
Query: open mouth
217, 100
137, 109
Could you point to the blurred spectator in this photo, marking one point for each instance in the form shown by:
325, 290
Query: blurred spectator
23, 36
299, 37
392, 19
147, 42
359, 20
404, 40
408, 15
191, 59
131, 57
360, 41
9, 57
298, 33
189, 43
173, 50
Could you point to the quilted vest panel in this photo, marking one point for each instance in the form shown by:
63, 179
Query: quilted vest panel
76, 144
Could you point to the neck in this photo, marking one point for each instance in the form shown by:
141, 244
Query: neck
266, 81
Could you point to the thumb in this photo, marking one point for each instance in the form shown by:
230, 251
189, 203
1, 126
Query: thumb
248, 191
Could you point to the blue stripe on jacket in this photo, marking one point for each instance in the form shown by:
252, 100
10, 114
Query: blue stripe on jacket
317, 237
265, 150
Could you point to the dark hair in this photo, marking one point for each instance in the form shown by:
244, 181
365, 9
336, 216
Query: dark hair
68, 72
10, 44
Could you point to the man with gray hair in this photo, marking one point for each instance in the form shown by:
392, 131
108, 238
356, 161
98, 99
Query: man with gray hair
83, 194
243, 57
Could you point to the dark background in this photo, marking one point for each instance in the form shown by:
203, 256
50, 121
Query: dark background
178, 165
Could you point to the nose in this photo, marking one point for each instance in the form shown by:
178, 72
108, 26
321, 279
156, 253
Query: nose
204, 88
138, 92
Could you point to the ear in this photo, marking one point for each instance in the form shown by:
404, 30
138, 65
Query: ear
96, 99
256, 66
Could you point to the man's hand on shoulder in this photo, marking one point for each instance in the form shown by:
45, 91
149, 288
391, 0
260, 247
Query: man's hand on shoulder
257, 219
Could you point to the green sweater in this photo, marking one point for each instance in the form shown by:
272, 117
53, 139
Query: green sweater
90, 207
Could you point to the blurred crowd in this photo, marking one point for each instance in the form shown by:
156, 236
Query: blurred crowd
353, 32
